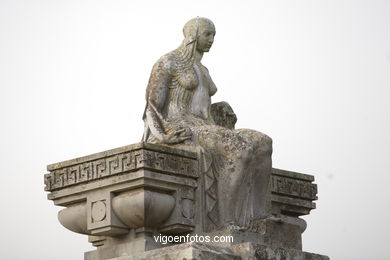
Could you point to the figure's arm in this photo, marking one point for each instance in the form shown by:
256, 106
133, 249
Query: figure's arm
156, 95
157, 98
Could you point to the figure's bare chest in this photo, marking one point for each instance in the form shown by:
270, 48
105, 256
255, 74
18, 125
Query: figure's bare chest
204, 79
193, 78
201, 101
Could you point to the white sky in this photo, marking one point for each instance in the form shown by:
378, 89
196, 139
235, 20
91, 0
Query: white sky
313, 75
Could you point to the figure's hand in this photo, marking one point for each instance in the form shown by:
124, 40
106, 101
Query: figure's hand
178, 136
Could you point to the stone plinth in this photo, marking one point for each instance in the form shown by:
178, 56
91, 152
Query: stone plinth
126, 194
123, 197
244, 251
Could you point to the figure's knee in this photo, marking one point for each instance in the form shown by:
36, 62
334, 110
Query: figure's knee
267, 143
260, 143
263, 143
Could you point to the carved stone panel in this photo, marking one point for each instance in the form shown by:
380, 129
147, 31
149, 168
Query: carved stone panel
121, 160
292, 193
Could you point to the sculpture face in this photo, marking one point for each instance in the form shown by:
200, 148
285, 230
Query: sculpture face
205, 37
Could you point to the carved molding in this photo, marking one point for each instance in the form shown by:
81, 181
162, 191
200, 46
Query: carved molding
93, 167
292, 193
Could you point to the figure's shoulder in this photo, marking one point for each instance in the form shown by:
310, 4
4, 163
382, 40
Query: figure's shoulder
167, 61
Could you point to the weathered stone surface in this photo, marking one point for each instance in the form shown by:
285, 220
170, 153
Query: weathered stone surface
250, 251
283, 232
243, 251
188, 251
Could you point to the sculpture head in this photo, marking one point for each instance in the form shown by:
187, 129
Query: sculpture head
201, 32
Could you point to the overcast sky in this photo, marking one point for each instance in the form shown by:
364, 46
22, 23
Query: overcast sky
313, 75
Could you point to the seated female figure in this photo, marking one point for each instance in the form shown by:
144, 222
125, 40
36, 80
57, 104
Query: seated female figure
236, 163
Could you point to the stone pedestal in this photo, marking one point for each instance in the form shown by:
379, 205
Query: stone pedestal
125, 197
244, 251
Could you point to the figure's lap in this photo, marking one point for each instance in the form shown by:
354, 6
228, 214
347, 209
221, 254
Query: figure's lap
232, 141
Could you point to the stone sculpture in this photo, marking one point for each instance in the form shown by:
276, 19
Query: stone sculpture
192, 174
237, 163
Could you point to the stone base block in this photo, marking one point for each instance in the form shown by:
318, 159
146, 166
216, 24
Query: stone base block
188, 251
137, 245
250, 251
284, 232
198, 251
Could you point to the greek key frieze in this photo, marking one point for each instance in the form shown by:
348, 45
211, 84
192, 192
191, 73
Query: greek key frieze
293, 188
120, 163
